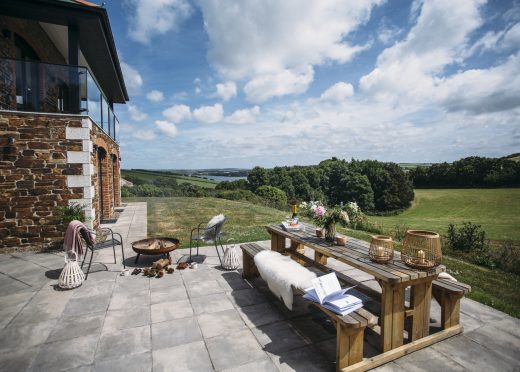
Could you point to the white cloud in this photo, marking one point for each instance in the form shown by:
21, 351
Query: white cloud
226, 90
167, 128
407, 72
339, 92
135, 113
155, 96
149, 18
264, 87
244, 116
483, 90
209, 114
177, 113
270, 40
133, 79
145, 135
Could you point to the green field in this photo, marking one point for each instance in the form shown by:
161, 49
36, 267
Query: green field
150, 176
497, 210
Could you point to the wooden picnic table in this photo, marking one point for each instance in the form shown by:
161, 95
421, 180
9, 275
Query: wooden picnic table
393, 277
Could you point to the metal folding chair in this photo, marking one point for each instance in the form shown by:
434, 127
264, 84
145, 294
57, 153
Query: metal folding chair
207, 234
105, 238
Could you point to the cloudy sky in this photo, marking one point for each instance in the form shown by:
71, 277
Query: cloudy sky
222, 83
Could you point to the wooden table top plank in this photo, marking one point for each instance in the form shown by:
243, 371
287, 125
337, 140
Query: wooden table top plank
349, 258
356, 255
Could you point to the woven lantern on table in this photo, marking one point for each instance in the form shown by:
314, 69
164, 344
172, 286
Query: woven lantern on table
381, 249
421, 249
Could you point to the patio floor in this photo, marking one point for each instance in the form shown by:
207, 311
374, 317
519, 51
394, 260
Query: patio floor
202, 319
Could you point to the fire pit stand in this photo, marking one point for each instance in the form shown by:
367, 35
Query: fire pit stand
155, 246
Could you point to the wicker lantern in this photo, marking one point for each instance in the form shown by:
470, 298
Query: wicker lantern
421, 249
381, 249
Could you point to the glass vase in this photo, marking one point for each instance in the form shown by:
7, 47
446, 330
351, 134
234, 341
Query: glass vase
330, 232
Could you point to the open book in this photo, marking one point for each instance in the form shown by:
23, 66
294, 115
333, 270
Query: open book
327, 291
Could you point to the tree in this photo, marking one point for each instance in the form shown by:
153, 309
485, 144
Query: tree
258, 177
358, 189
273, 197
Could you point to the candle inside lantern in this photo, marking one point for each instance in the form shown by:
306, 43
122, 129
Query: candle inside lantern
380, 251
421, 256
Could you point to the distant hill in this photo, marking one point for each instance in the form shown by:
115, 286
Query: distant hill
140, 176
514, 157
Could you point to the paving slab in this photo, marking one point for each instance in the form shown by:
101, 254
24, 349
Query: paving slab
259, 314
188, 357
260, 365
86, 305
170, 293
246, 297
175, 332
220, 323
278, 337
66, 354
211, 303
114, 344
227, 351
77, 326
472, 355
127, 363
169, 310
18, 360
306, 359
198, 289
17, 336
130, 317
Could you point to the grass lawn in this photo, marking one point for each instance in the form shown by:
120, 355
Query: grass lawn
497, 210
176, 216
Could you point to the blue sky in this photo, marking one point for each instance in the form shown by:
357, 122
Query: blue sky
217, 83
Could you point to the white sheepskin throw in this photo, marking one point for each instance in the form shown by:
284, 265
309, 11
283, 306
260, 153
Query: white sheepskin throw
281, 272
446, 276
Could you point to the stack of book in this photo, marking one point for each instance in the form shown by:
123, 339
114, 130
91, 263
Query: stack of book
327, 291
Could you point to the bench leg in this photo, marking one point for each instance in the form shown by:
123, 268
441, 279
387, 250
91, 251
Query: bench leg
349, 348
320, 258
450, 310
249, 269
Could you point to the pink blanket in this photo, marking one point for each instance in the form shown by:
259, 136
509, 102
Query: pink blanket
73, 239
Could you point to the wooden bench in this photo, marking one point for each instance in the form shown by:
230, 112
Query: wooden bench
349, 328
448, 294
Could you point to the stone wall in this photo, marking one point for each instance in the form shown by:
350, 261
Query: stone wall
51, 163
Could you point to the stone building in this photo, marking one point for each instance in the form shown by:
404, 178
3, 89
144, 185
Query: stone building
59, 79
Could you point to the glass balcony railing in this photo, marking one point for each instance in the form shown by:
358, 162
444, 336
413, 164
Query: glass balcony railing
44, 87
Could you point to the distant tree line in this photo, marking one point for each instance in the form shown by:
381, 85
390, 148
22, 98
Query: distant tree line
469, 172
373, 185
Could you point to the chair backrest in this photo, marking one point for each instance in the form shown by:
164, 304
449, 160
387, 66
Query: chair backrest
213, 232
86, 237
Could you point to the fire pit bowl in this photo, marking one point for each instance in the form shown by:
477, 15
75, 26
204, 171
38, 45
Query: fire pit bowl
155, 246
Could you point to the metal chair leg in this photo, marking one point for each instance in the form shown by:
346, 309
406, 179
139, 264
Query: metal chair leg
89, 264
218, 254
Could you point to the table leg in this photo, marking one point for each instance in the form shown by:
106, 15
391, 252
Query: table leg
320, 258
392, 316
421, 303
299, 248
277, 242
